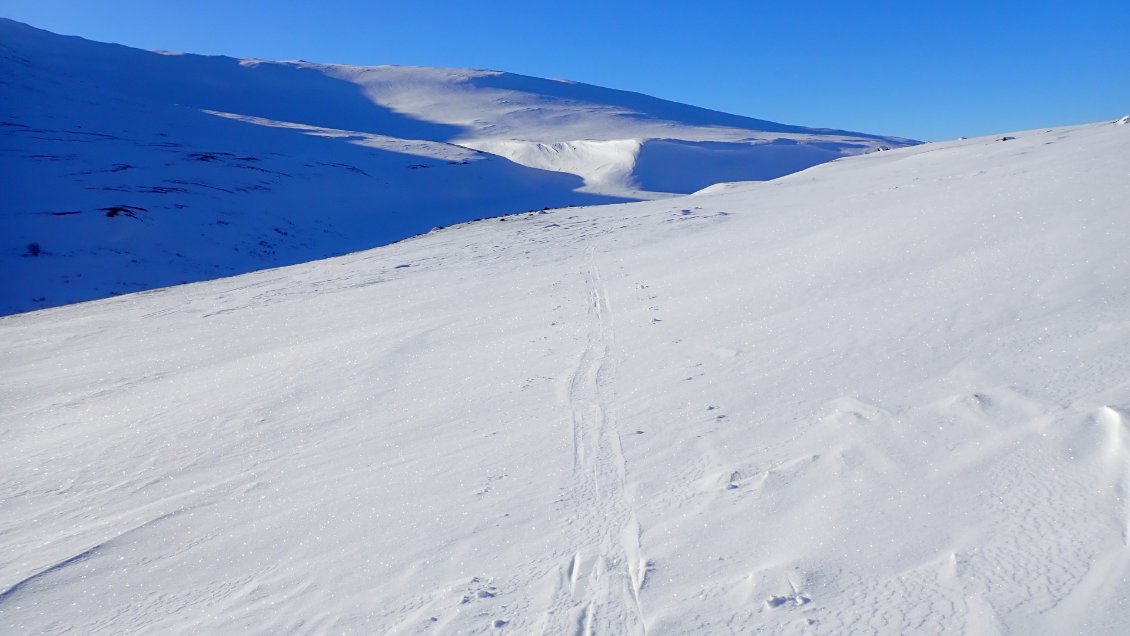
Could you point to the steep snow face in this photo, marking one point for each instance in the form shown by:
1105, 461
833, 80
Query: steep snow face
604, 165
128, 170
884, 395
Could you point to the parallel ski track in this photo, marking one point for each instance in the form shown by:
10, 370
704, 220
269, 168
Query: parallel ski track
599, 584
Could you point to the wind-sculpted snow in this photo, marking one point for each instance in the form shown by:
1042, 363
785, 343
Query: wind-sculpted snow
127, 170
886, 395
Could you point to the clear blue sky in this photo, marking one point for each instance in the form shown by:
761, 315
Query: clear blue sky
929, 70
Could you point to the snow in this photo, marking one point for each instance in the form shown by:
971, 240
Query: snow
884, 395
604, 165
231, 166
601, 134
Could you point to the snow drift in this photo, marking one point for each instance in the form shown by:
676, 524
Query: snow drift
885, 395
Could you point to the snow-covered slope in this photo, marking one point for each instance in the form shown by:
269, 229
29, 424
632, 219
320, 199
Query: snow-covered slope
621, 143
126, 170
886, 395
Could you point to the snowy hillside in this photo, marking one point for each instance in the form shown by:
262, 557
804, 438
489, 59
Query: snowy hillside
621, 143
886, 395
126, 170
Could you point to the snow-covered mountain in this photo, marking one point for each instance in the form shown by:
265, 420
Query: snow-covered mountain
885, 395
127, 170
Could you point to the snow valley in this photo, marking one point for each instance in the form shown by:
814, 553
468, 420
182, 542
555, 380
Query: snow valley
127, 170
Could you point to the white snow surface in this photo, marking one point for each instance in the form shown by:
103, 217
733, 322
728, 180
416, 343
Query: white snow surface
885, 395
130, 170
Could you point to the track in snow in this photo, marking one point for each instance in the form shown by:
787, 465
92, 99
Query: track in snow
599, 584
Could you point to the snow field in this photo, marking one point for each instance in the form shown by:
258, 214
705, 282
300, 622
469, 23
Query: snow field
883, 395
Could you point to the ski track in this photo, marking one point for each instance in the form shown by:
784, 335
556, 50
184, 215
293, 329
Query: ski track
600, 579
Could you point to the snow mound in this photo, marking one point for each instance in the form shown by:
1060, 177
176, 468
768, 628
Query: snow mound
884, 395
721, 187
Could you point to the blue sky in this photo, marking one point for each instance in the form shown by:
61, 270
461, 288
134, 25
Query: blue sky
929, 70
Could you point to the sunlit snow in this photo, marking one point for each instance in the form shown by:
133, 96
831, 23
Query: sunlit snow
885, 395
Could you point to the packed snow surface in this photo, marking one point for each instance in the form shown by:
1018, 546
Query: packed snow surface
126, 170
886, 395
